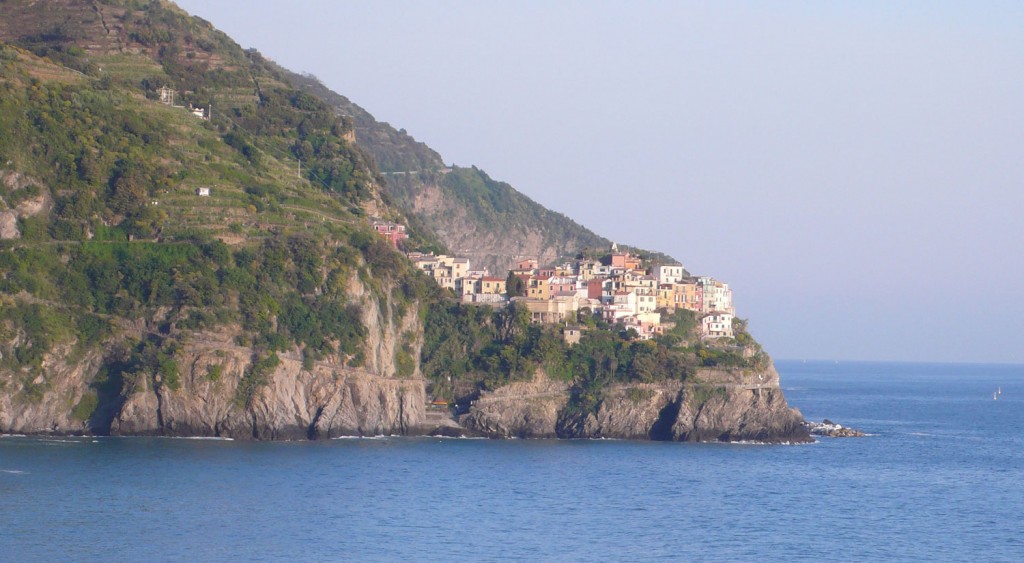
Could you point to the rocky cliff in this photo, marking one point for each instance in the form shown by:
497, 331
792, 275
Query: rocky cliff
329, 400
90, 393
717, 405
166, 274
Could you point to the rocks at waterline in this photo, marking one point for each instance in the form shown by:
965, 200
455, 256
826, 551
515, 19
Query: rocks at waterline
831, 429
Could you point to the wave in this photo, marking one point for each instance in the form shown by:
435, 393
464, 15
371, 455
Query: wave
215, 438
377, 437
760, 443
13, 471
442, 437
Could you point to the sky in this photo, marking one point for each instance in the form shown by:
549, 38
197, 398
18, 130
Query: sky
852, 169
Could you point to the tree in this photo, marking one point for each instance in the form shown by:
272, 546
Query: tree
514, 285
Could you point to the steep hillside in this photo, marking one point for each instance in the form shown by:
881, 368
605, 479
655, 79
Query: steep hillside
473, 215
186, 249
156, 262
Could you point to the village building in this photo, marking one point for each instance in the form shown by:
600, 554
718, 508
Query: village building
546, 272
669, 273
490, 299
565, 270
561, 284
717, 325
468, 285
619, 291
690, 296
549, 311
528, 265
538, 288
646, 325
444, 269
646, 303
716, 296
393, 232
587, 269
572, 334
492, 285
623, 304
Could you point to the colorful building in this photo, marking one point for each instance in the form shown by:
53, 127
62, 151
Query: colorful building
393, 232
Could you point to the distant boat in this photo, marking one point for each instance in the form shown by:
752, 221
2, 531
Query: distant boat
999, 390
995, 396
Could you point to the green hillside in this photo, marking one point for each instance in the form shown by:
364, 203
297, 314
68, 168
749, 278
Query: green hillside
106, 232
136, 233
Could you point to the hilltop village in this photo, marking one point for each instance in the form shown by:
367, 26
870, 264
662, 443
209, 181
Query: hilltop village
619, 287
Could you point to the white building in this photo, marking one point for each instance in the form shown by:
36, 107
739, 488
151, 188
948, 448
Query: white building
717, 325
669, 273
623, 304
717, 296
646, 303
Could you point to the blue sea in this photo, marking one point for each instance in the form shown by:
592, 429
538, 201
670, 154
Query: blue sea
939, 478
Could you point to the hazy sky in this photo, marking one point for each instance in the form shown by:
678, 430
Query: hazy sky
853, 169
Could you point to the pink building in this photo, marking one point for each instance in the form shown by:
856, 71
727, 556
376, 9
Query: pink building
391, 231
527, 264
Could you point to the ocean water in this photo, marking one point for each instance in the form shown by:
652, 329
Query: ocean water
939, 478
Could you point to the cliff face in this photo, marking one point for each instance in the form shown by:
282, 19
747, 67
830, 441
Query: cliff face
717, 405
469, 224
329, 401
74, 393
295, 403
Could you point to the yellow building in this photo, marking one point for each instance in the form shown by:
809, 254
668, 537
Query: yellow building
688, 296
492, 286
548, 311
538, 288
667, 297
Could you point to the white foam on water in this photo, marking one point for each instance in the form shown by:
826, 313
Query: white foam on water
215, 438
377, 437
13, 471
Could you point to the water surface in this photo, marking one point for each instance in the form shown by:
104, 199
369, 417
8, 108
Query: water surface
938, 479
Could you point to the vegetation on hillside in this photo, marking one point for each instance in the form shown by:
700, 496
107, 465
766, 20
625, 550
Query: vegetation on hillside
124, 259
469, 348
122, 240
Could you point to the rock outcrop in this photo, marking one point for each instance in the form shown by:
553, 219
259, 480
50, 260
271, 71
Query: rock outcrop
715, 405
29, 206
295, 403
831, 429
75, 394
331, 400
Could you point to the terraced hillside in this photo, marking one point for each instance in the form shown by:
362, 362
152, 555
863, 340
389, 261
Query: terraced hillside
472, 214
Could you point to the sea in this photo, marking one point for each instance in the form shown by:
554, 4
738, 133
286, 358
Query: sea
938, 478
